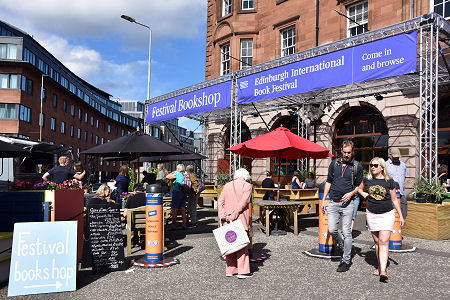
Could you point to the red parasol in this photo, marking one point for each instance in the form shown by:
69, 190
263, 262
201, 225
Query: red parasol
281, 143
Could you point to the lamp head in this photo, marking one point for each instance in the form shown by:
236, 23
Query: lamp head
130, 19
378, 97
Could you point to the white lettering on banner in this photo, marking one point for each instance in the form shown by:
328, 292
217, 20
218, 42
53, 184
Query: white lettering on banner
324, 65
270, 78
203, 100
166, 109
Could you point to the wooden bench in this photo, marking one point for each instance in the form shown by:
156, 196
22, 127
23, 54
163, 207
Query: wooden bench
210, 192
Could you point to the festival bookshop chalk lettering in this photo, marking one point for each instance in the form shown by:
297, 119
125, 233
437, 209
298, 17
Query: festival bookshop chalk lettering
43, 258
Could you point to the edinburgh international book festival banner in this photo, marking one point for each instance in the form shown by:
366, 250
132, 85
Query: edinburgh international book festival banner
383, 58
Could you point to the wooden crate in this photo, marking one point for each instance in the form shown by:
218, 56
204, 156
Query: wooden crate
427, 221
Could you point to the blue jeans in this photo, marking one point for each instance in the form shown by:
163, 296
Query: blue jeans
356, 202
336, 210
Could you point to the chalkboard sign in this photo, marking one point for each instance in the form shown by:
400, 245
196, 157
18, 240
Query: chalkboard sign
105, 238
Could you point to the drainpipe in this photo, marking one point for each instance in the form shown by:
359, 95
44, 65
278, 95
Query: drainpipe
412, 9
317, 23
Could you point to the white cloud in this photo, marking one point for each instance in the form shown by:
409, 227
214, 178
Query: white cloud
89, 64
84, 18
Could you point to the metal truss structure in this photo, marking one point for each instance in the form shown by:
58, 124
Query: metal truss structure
433, 30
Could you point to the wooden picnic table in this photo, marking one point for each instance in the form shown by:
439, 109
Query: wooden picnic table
269, 206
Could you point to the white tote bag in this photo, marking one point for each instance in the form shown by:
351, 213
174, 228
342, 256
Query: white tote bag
231, 237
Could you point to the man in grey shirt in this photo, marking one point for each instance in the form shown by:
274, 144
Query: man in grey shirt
397, 170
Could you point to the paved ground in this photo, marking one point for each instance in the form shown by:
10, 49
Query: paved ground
287, 273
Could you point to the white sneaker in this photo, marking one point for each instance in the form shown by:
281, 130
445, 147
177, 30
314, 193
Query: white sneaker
230, 275
243, 276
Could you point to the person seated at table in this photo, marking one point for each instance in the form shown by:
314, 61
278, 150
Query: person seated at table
310, 182
268, 183
135, 200
101, 196
149, 178
296, 183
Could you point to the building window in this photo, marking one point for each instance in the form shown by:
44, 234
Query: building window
96, 139
103, 141
42, 66
225, 59
358, 13
24, 114
97, 123
53, 124
442, 7
85, 136
248, 4
29, 56
109, 128
79, 133
226, 7
9, 81
41, 120
86, 118
64, 105
27, 85
71, 130
64, 82
44, 94
288, 41
72, 110
72, 88
55, 100
92, 138
123, 132
8, 111
8, 51
246, 53
80, 114
92, 121
63, 127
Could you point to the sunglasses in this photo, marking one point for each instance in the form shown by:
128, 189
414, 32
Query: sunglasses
374, 165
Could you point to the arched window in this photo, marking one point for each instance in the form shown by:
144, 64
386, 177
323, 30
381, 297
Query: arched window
367, 129
444, 131
224, 164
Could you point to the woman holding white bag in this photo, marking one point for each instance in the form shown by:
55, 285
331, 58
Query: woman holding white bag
233, 205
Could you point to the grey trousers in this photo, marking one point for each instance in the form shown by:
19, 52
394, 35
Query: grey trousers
192, 207
336, 211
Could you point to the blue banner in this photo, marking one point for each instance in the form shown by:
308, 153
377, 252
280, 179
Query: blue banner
211, 98
388, 57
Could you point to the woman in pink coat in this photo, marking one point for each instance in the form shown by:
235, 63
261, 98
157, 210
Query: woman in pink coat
233, 204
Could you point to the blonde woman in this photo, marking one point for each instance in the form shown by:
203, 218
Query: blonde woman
162, 172
379, 213
101, 195
178, 197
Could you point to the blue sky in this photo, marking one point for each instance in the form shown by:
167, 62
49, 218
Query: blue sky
92, 40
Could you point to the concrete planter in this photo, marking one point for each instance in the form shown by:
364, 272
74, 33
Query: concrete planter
428, 221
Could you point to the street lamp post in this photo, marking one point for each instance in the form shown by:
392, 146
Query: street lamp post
132, 20
41, 119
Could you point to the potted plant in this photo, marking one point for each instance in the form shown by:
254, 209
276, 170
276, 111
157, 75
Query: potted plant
221, 180
422, 189
437, 192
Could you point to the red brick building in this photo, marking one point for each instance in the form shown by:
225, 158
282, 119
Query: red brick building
76, 114
242, 33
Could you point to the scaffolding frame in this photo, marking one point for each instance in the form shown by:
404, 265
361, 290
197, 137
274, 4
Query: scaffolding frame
432, 76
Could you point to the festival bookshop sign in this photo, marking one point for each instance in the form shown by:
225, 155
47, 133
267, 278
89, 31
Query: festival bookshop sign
388, 57
44, 258
208, 99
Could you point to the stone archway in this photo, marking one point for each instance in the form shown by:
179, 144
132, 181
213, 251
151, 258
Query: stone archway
366, 127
